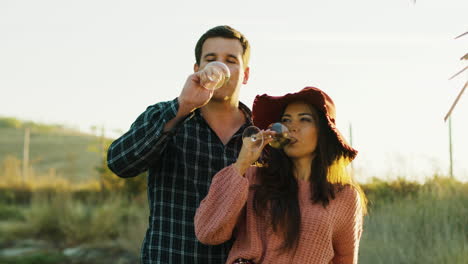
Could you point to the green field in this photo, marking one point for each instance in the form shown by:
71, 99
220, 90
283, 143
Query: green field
71, 154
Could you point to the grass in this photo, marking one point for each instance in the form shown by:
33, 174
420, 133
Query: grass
71, 155
67, 214
74, 221
10, 212
42, 258
66, 221
428, 226
417, 223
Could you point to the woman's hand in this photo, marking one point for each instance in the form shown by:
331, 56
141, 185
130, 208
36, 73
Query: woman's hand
251, 150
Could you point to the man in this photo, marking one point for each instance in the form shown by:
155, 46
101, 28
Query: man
183, 143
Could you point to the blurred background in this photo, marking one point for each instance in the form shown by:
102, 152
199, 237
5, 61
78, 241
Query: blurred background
74, 75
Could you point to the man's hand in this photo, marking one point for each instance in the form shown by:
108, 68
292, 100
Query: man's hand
193, 95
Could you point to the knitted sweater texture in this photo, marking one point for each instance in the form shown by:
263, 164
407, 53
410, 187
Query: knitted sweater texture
328, 235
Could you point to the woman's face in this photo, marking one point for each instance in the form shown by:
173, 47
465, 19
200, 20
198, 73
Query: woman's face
302, 122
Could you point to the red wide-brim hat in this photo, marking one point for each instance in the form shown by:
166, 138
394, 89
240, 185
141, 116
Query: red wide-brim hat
268, 109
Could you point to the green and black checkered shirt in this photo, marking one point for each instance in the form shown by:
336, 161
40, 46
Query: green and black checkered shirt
180, 167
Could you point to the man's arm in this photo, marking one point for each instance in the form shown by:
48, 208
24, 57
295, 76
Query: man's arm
144, 143
147, 138
193, 96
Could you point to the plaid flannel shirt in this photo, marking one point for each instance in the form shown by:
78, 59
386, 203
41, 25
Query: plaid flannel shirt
180, 165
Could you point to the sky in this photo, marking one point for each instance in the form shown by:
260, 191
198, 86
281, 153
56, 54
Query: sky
385, 63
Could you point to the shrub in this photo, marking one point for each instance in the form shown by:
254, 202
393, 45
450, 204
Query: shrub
62, 218
379, 191
10, 212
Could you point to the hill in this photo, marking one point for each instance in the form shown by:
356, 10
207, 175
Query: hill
69, 152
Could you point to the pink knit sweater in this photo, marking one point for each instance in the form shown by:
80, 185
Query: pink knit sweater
328, 235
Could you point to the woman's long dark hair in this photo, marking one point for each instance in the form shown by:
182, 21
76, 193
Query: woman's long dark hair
276, 194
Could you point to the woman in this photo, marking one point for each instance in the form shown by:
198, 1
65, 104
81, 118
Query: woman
303, 206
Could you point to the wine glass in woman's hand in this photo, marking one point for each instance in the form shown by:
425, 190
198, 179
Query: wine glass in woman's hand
280, 136
277, 136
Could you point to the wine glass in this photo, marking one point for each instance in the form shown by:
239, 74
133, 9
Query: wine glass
280, 139
255, 135
214, 75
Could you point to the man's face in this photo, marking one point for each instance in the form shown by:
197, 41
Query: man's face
229, 52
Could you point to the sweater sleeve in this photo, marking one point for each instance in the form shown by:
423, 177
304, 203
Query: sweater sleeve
348, 228
217, 215
144, 143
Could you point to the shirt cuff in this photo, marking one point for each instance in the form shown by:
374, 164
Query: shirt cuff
171, 110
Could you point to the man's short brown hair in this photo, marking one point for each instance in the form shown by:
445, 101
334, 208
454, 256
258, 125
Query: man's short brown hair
223, 32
